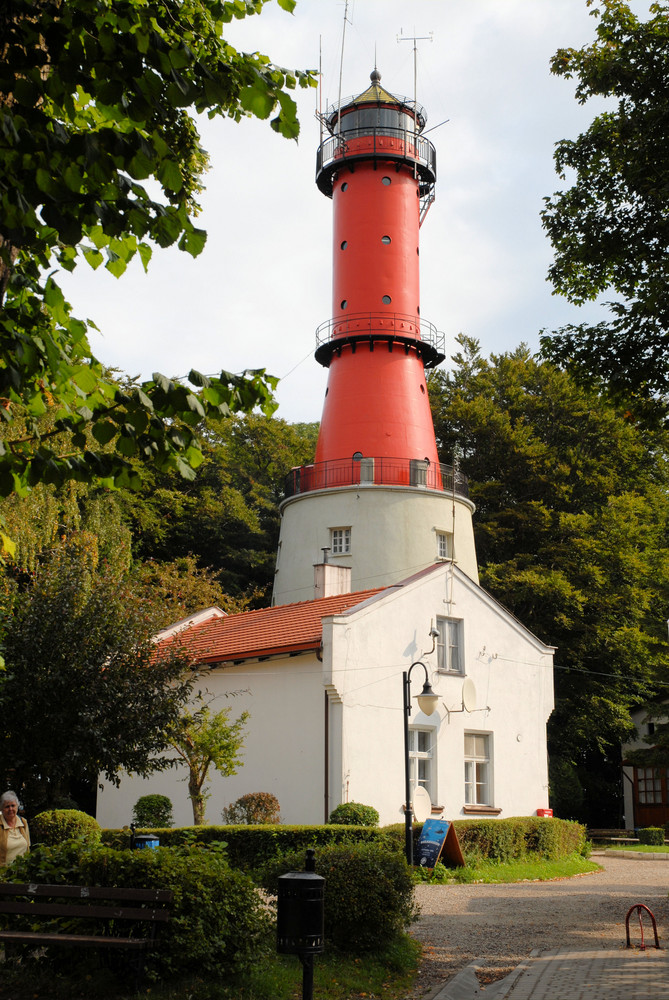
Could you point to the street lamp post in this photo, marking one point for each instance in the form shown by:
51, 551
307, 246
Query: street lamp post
427, 702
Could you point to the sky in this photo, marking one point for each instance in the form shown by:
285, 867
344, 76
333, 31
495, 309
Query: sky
256, 294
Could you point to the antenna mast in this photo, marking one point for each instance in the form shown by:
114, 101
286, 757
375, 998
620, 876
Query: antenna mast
415, 38
341, 61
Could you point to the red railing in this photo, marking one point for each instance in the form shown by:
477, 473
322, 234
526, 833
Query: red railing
368, 471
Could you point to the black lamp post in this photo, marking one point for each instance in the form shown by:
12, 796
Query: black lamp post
427, 702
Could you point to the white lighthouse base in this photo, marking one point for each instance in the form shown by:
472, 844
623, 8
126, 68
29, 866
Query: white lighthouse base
383, 533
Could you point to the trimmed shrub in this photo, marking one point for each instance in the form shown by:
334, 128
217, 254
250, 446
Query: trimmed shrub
354, 814
652, 835
251, 847
253, 809
219, 921
57, 825
368, 894
153, 810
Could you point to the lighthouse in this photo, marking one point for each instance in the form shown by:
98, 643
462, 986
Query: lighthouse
376, 506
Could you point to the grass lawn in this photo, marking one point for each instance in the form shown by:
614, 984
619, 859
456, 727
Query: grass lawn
643, 848
515, 871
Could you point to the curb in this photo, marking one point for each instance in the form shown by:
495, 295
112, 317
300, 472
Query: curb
465, 985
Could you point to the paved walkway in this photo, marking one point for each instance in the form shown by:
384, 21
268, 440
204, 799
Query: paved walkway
578, 924
564, 974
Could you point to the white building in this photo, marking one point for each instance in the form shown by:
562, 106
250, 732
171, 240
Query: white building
378, 514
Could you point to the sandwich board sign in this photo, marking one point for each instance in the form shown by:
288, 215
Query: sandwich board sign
438, 841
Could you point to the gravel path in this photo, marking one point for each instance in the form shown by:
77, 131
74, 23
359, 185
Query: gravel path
502, 924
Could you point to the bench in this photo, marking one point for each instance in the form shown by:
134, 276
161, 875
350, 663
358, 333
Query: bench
117, 911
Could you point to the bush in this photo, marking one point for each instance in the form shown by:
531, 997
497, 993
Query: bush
354, 814
57, 825
253, 809
368, 894
218, 923
153, 810
251, 847
652, 835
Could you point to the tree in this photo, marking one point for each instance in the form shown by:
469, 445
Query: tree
85, 692
203, 740
610, 229
572, 530
98, 97
228, 518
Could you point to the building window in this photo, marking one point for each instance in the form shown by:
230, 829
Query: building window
478, 765
450, 656
443, 538
649, 785
340, 541
421, 760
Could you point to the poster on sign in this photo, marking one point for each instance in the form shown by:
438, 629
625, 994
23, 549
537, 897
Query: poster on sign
438, 841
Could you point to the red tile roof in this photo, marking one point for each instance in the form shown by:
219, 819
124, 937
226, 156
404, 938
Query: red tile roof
287, 628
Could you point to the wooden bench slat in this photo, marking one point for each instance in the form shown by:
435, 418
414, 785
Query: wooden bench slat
70, 910
85, 892
87, 941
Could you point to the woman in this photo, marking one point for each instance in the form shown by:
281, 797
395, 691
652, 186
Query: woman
14, 834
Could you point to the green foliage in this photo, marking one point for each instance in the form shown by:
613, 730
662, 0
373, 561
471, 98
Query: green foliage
368, 895
608, 229
80, 660
652, 835
254, 808
572, 520
100, 161
519, 837
203, 740
153, 810
566, 790
218, 920
251, 847
228, 519
354, 814
57, 825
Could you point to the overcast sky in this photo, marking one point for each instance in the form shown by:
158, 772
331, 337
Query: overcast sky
256, 294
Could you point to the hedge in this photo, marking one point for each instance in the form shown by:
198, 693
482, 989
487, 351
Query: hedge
219, 921
250, 847
509, 839
368, 893
652, 835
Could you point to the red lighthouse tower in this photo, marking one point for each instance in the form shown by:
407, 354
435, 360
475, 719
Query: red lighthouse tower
379, 170
376, 473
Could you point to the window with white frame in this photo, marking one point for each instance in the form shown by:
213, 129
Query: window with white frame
450, 657
421, 760
340, 541
649, 784
443, 545
478, 769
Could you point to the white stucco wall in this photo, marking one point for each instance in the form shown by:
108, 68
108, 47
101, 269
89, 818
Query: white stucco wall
393, 535
364, 655
283, 752
512, 673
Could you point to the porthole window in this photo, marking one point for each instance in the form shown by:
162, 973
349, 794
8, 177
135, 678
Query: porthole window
385, 239
385, 180
418, 310
386, 300
344, 186
344, 303
343, 244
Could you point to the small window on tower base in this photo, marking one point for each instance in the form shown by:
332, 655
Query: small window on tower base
444, 546
340, 541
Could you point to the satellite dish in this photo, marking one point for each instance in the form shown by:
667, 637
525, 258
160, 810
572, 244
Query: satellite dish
468, 694
422, 804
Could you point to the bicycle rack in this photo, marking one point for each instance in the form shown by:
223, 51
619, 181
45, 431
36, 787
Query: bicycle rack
639, 907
